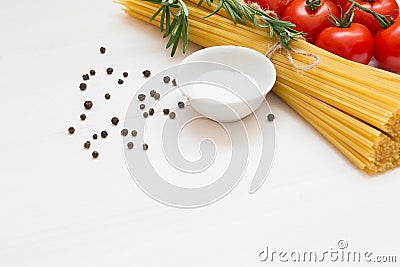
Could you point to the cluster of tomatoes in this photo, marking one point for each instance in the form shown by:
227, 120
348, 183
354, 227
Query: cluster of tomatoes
347, 28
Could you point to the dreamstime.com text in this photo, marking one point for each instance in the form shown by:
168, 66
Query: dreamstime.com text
340, 254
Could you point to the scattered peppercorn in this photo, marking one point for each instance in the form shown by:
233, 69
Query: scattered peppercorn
92, 72
124, 132
181, 104
95, 154
146, 73
152, 93
145, 114
94, 136
166, 111
156, 96
88, 104
172, 115
86, 145
104, 134
82, 86
114, 121
129, 145
145, 146
141, 97
71, 130
271, 117
109, 70
107, 96
142, 106
85, 77
125, 74
174, 82
166, 79
83, 117
102, 50
120, 81
134, 133
151, 111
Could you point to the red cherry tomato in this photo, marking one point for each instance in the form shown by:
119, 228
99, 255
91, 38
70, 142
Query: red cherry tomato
383, 7
278, 6
387, 47
310, 21
354, 42
341, 3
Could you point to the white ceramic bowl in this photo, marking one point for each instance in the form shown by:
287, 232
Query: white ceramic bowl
252, 70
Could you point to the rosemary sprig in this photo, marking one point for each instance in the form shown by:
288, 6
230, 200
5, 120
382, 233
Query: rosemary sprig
177, 28
238, 11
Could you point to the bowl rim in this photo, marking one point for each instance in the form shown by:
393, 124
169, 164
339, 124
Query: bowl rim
264, 90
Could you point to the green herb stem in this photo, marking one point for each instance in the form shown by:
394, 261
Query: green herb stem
174, 21
284, 30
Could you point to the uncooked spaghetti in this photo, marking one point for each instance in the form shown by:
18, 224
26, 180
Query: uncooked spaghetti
356, 107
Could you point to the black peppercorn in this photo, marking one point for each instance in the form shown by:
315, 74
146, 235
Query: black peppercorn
88, 104
152, 93
125, 74
146, 73
174, 82
134, 133
114, 121
86, 145
129, 145
102, 50
271, 117
156, 96
92, 72
109, 70
142, 106
151, 111
71, 130
166, 79
166, 111
94, 136
83, 117
124, 132
82, 86
181, 104
120, 81
104, 134
141, 97
145, 114
95, 154
172, 115
145, 146
107, 96
85, 77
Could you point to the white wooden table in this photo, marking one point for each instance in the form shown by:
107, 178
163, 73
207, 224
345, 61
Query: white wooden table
58, 207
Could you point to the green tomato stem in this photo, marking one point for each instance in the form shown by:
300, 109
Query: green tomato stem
383, 20
345, 20
313, 4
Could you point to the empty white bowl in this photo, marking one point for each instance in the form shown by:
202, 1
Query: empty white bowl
226, 83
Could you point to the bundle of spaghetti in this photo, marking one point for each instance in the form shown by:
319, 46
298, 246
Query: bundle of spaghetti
368, 148
356, 107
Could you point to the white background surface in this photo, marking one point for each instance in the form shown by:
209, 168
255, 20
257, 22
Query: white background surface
58, 207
